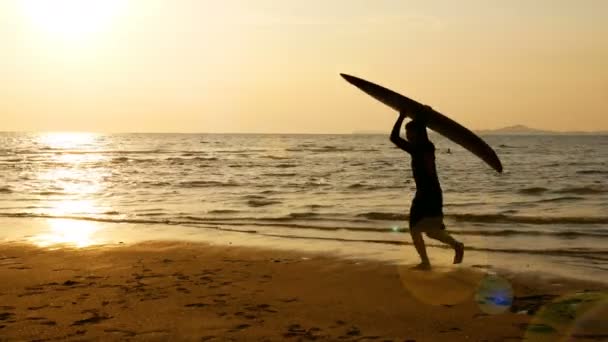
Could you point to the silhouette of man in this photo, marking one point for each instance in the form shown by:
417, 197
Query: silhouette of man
426, 212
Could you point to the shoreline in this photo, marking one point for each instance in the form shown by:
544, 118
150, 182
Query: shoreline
49, 232
161, 290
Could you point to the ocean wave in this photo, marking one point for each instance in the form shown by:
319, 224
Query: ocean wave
590, 254
369, 187
494, 218
393, 230
291, 174
285, 222
275, 157
177, 160
119, 152
382, 216
357, 186
205, 158
501, 218
532, 191
303, 215
256, 203
255, 197
242, 152
528, 232
323, 149
224, 211
285, 166
314, 183
207, 184
84, 218
583, 190
158, 183
561, 199
50, 193
318, 206
120, 160
151, 214
584, 253
592, 172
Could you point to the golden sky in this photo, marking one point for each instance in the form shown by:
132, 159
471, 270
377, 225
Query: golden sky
273, 66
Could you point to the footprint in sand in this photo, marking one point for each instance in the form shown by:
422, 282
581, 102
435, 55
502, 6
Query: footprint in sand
7, 317
288, 300
353, 332
20, 268
297, 331
96, 318
261, 307
240, 327
124, 333
183, 290
245, 315
180, 276
34, 308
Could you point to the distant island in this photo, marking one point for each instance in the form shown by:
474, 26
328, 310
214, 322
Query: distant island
509, 130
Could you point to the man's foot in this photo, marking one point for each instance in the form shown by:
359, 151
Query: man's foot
423, 266
458, 253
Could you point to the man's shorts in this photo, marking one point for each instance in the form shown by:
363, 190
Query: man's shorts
431, 223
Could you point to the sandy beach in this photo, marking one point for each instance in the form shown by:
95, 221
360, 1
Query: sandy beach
161, 291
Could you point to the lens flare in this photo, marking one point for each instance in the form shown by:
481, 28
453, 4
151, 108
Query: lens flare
494, 294
440, 285
577, 316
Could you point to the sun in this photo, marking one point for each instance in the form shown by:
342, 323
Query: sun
71, 19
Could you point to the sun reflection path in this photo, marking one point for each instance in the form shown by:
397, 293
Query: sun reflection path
69, 207
74, 233
67, 140
75, 177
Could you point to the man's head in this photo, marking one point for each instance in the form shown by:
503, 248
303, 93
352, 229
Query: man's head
415, 131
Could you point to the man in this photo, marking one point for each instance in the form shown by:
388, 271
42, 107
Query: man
426, 212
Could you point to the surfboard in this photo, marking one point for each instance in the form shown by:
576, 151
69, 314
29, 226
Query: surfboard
434, 120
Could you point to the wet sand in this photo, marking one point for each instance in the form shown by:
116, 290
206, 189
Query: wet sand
163, 291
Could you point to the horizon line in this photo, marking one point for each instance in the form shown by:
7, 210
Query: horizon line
355, 132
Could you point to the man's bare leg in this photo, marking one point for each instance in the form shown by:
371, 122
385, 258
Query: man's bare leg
425, 264
445, 237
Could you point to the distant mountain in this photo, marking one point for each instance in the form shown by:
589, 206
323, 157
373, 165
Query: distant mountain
515, 129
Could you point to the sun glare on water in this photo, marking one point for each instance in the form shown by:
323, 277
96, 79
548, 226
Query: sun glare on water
73, 233
71, 19
67, 140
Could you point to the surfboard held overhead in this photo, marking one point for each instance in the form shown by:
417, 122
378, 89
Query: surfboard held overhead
434, 120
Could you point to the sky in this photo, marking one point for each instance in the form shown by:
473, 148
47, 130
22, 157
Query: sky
270, 66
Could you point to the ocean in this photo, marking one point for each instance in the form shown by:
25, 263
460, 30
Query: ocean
334, 191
